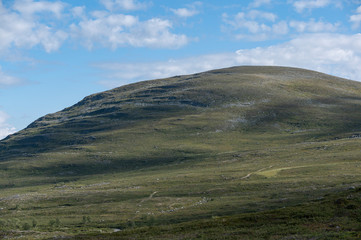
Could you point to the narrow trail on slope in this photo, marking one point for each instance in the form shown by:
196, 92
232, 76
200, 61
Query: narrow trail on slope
150, 197
260, 170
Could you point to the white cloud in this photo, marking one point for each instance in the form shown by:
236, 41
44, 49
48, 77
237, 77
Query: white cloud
108, 30
356, 18
331, 53
185, 12
280, 28
5, 128
313, 26
155, 33
118, 30
358, 10
191, 10
6, 80
300, 6
255, 14
21, 29
29, 7
78, 12
334, 54
128, 5
256, 25
23, 25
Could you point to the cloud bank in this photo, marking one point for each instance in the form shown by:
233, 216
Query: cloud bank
335, 54
27, 23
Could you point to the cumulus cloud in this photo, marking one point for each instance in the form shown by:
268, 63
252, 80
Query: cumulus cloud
302, 5
255, 25
26, 24
334, 54
119, 30
356, 18
20, 28
5, 128
184, 12
128, 5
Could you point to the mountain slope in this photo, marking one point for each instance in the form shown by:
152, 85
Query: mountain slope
181, 149
248, 98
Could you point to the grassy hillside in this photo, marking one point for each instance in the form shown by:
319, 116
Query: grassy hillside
181, 155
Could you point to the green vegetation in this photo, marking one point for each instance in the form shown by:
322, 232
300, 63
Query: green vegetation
238, 153
336, 217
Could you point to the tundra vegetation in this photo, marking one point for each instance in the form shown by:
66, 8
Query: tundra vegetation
237, 153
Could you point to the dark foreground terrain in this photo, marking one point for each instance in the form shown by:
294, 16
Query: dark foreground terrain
237, 153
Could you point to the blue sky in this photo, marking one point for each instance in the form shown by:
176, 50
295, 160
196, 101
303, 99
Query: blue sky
54, 53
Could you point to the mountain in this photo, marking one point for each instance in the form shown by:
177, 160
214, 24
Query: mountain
185, 149
234, 99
